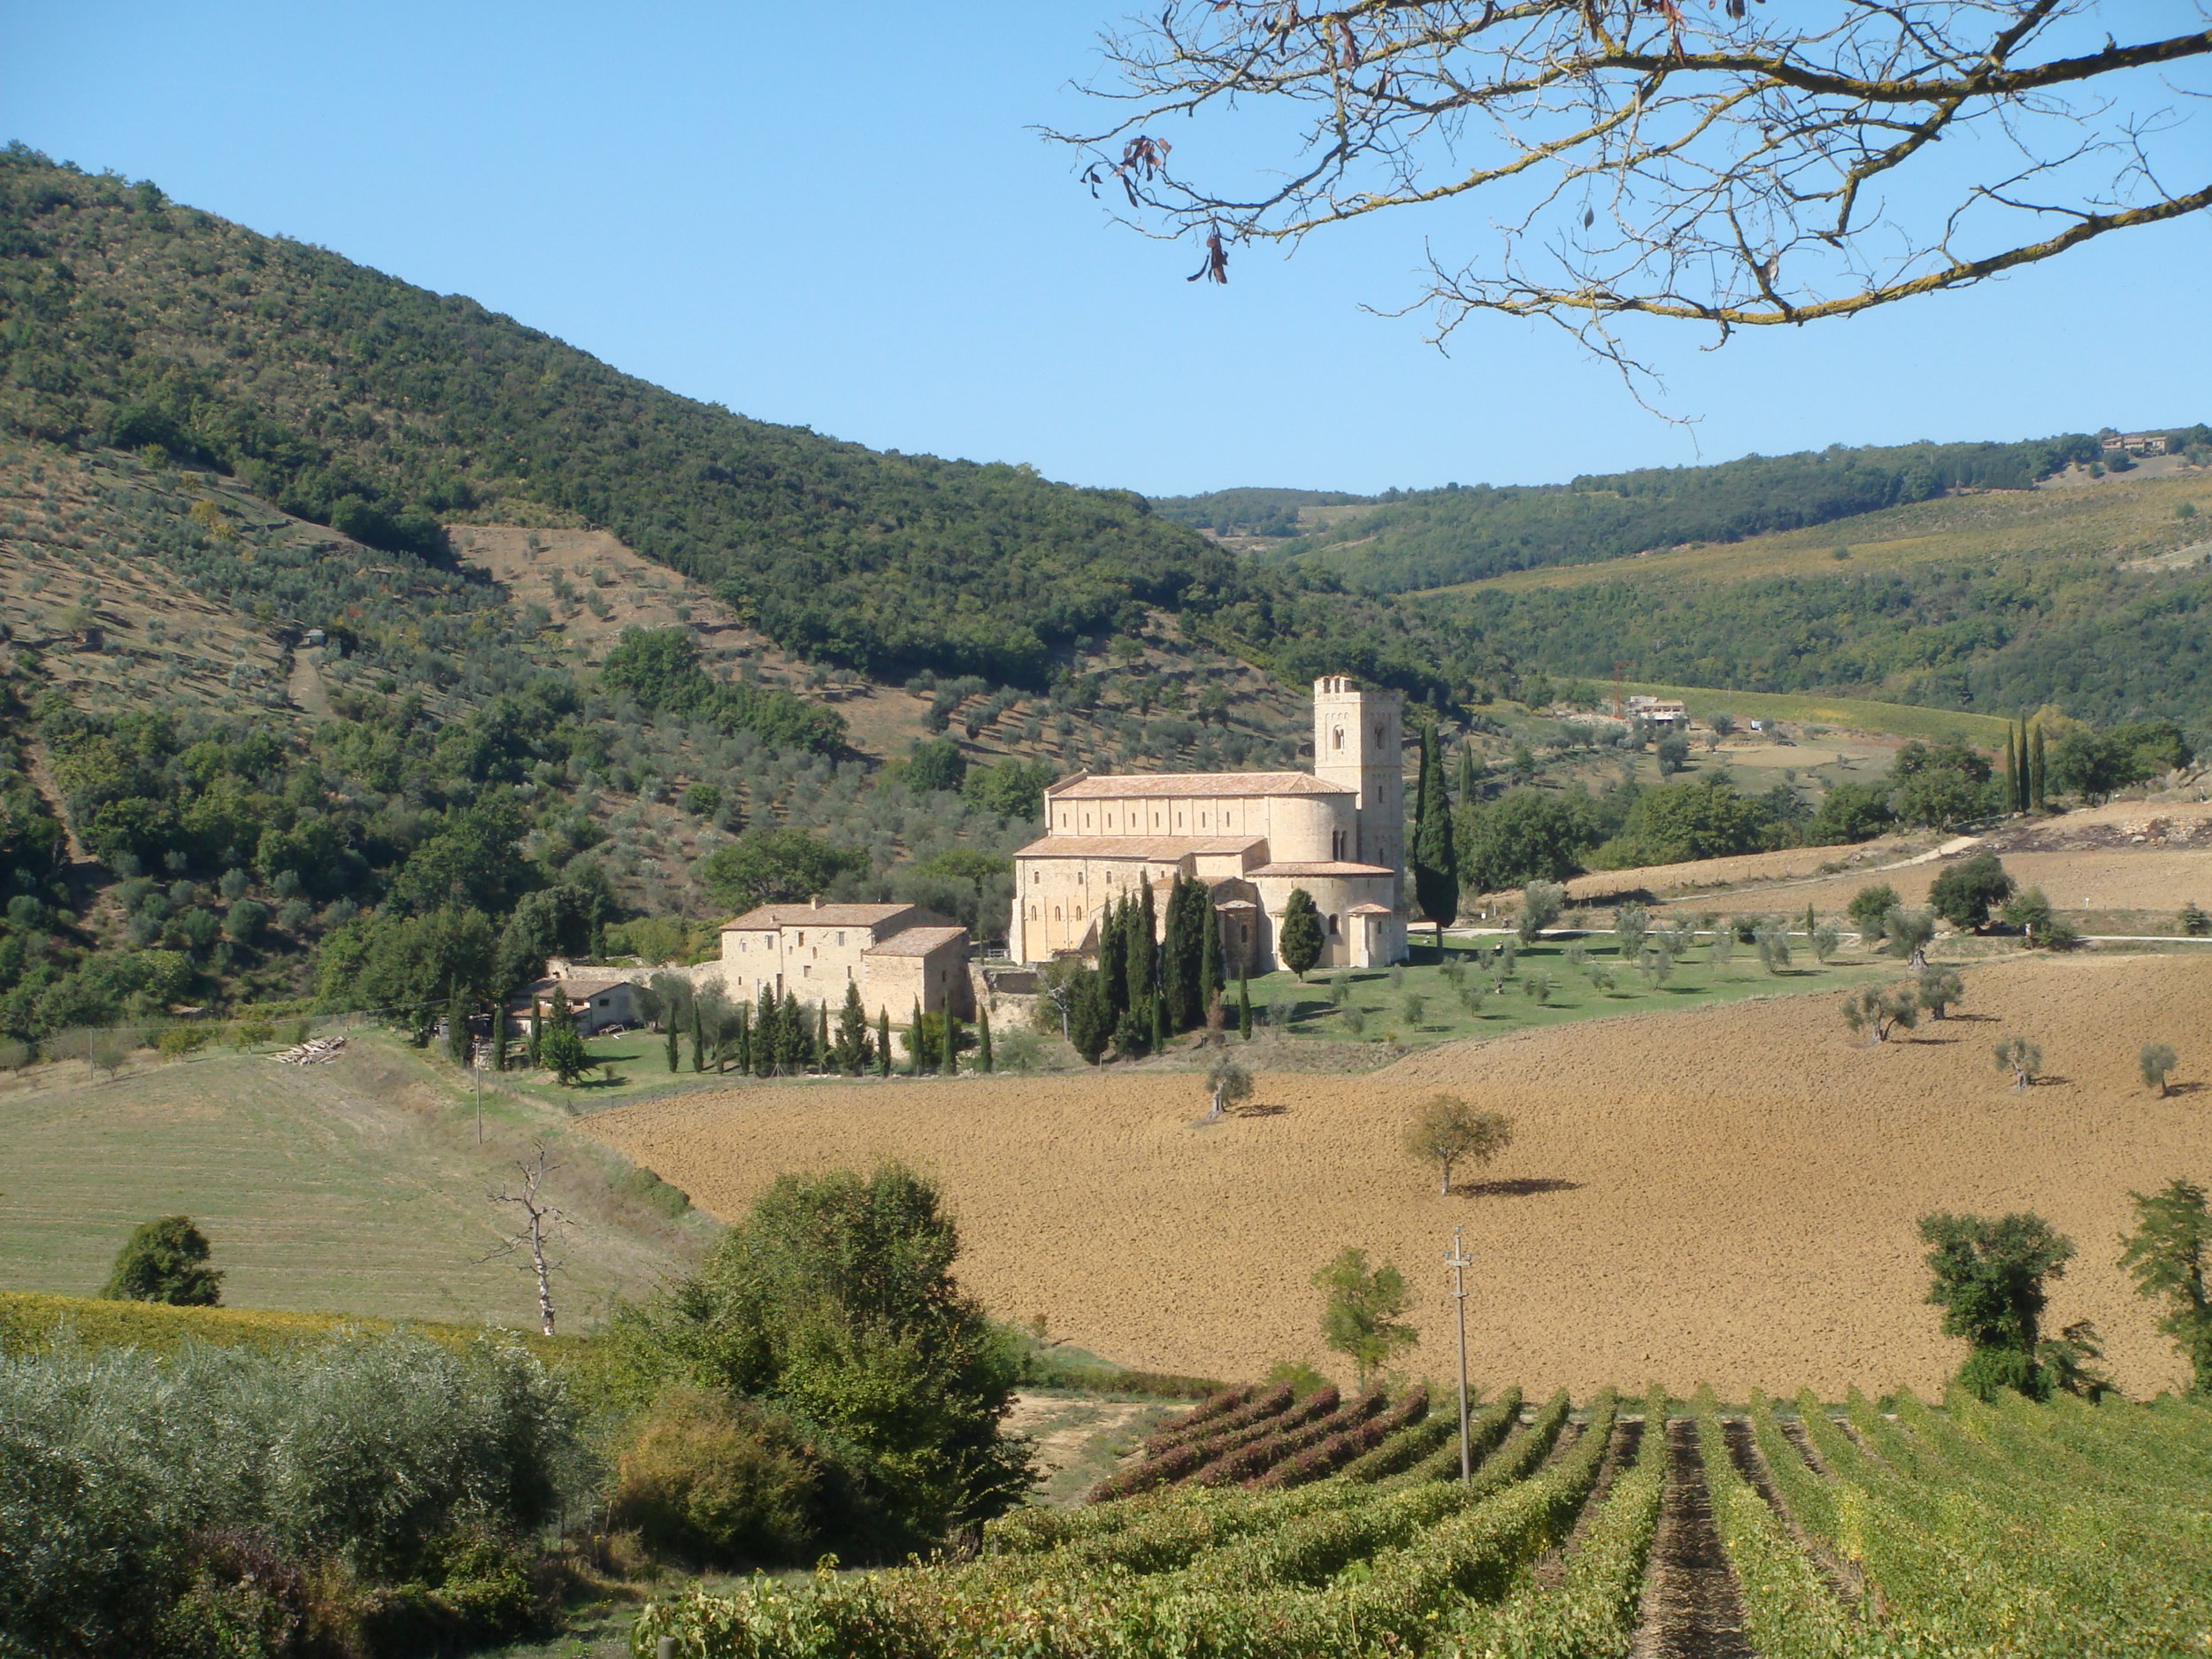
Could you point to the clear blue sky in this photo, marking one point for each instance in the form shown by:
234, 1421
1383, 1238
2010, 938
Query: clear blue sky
836, 215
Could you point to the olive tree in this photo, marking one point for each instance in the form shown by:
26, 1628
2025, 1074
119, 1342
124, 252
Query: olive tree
1446, 1130
1542, 902
1938, 988
2156, 1062
1228, 1084
1906, 933
1879, 1010
2021, 1058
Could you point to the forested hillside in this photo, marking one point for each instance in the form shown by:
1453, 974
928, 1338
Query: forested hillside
1434, 538
352, 399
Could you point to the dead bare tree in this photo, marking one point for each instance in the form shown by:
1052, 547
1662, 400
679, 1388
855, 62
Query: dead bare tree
1697, 160
541, 1221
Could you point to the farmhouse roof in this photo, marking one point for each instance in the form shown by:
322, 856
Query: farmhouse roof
1167, 847
1213, 785
765, 918
1324, 867
581, 990
917, 941
1369, 910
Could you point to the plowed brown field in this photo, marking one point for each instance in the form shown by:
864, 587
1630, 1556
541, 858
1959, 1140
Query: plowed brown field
1726, 1196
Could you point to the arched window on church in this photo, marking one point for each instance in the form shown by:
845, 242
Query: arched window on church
1333, 931
1339, 737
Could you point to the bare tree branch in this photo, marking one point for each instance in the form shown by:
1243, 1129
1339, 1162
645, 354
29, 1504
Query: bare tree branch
1699, 160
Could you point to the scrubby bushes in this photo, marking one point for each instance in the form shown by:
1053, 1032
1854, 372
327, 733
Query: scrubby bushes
833, 1306
146, 1501
714, 1482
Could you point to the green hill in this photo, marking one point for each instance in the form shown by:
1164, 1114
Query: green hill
350, 398
1435, 538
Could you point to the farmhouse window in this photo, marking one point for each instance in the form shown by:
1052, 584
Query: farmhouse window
840, 939
1333, 927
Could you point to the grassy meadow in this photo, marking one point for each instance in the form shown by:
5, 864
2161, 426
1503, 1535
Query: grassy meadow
354, 1187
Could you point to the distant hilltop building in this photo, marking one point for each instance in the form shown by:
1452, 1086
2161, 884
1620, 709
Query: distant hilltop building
1657, 711
2136, 442
1254, 838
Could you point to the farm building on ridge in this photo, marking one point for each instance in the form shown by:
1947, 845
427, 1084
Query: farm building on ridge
1254, 838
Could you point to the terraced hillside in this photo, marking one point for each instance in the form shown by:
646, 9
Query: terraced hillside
1962, 1528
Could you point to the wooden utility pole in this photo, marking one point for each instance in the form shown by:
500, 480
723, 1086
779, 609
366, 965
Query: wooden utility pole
1458, 1261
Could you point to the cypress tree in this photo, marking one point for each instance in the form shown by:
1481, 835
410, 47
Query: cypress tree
852, 1033
1198, 915
456, 1028
744, 1043
1156, 1014
765, 1034
1090, 1016
668, 1029
1435, 856
2012, 774
883, 1042
1469, 774
951, 1028
1244, 1007
1301, 942
1178, 977
983, 1062
1213, 977
499, 1036
698, 1038
795, 1036
531, 1051
1113, 946
914, 1043
2036, 796
1144, 950
2024, 801
821, 1037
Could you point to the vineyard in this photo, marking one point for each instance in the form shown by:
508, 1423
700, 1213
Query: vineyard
1264, 1524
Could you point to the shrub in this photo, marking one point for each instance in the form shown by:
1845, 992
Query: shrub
1541, 904
14, 1055
713, 1482
2194, 921
178, 1040
1965, 894
371, 1455
1869, 905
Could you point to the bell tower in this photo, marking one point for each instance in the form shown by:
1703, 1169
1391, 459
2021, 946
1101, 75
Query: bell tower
1359, 743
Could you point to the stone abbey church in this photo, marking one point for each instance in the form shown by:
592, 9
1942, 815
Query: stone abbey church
1254, 838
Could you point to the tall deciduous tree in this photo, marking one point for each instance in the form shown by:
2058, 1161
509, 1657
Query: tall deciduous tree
1724, 164
166, 1261
1361, 1319
1448, 1131
1988, 1280
2166, 1256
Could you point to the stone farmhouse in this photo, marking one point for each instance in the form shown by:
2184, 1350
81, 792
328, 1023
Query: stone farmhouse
1254, 838
899, 956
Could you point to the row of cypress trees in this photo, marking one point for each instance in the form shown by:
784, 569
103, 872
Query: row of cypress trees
1156, 976
2024, 787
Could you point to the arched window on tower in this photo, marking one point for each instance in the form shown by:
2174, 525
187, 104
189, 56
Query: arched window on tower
1340, 738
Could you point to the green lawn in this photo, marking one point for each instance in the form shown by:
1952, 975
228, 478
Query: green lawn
357, 1186
1381, 996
